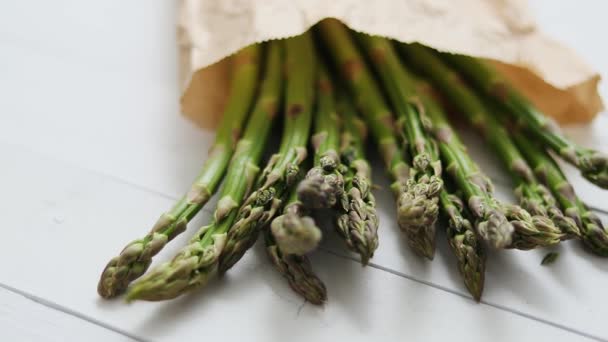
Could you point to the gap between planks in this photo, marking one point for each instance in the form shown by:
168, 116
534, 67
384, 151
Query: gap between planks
73, 313
467, 296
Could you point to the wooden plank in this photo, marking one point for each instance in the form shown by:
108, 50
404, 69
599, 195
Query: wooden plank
25, 320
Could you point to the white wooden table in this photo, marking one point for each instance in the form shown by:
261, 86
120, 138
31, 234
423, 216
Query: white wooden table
92, 150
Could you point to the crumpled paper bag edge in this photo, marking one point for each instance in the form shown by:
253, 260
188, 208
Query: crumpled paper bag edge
217, 73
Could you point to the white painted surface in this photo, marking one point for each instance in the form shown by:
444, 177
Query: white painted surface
24, 319
76, 186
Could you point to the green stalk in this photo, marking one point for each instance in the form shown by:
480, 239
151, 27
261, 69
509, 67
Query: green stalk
490, 220
364, 89
530, 231
592, 164
136, 257
358, 221
533, 196
593, 233
194, 263
469, 252
283, 170
418, 204
324, 183
369, 100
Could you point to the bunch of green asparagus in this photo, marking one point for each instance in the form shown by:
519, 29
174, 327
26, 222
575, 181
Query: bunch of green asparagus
331, 87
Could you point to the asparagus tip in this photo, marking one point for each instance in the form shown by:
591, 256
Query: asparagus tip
189, 269
469, 252
156, 286
416, 215
532, 231
566, 224
110, 285
320, 189
299, 274
129, 265
594, 235
360, 233
295, 234
359, 222
496, 230
474, 282
594, 167
244, 232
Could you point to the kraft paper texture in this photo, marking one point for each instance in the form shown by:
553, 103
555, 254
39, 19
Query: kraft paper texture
558, 81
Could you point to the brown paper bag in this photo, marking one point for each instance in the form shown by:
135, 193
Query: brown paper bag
551, 75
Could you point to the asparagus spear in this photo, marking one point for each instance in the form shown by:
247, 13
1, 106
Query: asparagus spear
592, 164
418, 208
369, 100
283, 169
295, 232
298, 272
530, 231
358, 221
489, 215
136, 257
324, 183
291, 236
533, 196
461, 235
194, 263
469, 252
593, 233
365, 91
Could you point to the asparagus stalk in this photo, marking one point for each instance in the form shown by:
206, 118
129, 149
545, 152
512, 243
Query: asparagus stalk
593, 233
324, 183
295, 232
136, 257
470, 254
194, 263
530, 231
461, 235
283, 169
489, 215
369, 100
292, 235
365, 91
533, 196
418, 204
358, 221
534, 230
298, 272
592, 164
